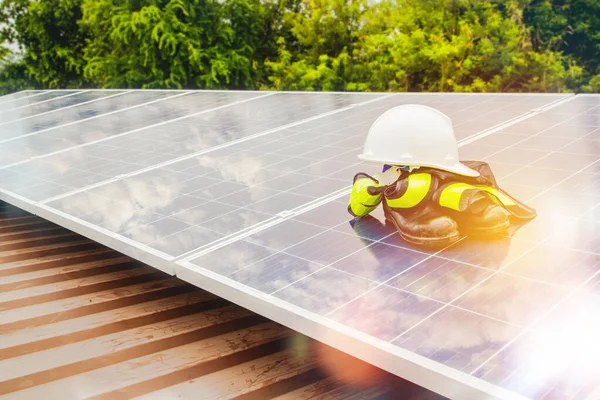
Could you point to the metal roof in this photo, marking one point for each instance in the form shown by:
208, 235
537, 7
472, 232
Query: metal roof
79, 320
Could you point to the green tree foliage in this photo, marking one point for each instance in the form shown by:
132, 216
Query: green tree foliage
174, 43
13, 78
321, 35
571, 27
4, 54
434, 45
48, 34
358, 45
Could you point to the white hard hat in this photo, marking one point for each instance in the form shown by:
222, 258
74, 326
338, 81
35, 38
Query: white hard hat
414, 135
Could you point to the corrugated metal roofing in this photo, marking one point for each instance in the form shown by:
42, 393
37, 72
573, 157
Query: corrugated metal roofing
79, 320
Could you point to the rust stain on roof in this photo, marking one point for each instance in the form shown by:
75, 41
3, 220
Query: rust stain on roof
79, 320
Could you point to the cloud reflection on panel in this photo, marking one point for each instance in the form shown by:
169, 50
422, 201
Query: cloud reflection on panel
394, 309
387, 314
89, 166
275, 272
234, 257
347, 291
169, 210
324, 290
458, 338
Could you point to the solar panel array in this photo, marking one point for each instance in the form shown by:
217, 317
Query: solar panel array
245, 194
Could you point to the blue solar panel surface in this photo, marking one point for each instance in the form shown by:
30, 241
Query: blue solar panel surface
245, 193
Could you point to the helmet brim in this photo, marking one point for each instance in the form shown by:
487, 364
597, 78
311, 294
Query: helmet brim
458, 168
462, 169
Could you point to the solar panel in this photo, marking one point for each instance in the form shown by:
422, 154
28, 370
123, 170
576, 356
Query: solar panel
245, 194
193, 200
517, 317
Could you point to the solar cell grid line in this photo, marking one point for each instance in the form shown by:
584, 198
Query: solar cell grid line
288, 248
242, 234
54, 105
512, 121
513, 142
544, 159
548, 156
158, 218
128, 101
36, 99
428, 257
558, 183
109, 156
524, 105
